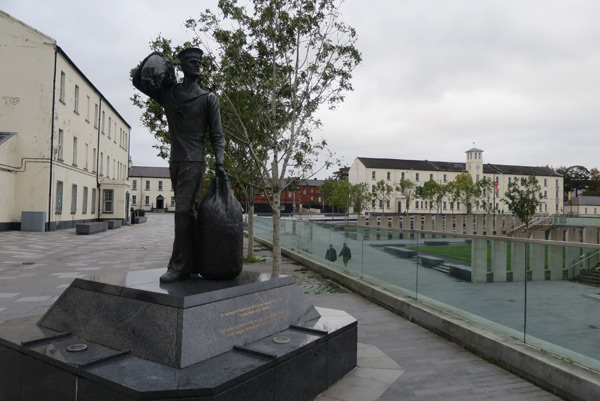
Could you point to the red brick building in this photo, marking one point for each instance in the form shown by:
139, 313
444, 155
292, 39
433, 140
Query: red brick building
306, 194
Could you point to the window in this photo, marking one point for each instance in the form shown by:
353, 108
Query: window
402, 177
381, 204
545, 182
85, 200
61, 96
87, 113
73, 199
172, 201
96, 115
101, 163
389, 176
147, 185
509, 180
103, 119
107, 166
430, 177
76, 109
93, 200
74, 150
388, 204
373, 175
416, 204
444, 205
87, 153
115, 140
134, 185
545, 194
445, 178
160, 186
304, 191
133, 199
477, 178
373, 204
108, 201
59, 150
372, 188
94, 160
417, 177
59, 197
109, 126
147, 201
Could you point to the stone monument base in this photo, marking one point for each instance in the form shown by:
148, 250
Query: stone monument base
126, 337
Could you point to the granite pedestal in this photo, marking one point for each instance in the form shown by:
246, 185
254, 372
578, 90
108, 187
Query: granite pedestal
126, 337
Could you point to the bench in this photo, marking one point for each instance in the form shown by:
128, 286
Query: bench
430, 261
436, 243
460, 271
112, 224
91, 228
400, 252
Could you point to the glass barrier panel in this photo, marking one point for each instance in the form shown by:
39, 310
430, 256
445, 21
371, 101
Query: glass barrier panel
473, 278
388, 258
563, 317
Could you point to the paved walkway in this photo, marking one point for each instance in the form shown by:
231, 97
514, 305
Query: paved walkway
398, 360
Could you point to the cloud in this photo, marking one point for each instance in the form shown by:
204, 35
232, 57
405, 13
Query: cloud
517, 78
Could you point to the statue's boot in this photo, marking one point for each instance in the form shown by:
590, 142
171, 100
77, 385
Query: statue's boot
174, 274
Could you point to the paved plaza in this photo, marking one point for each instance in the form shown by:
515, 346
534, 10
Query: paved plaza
398, 360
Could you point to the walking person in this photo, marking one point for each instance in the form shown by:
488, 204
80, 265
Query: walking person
345, 254
331, 254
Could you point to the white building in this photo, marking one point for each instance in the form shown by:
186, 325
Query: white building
151, 188
392, 171
64, 149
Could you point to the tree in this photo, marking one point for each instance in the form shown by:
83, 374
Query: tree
341, 196
575, 178
465, 190
523, 198
327, 190
382, 192
277, 62
486, 186
408, 190
360, 196
433, 192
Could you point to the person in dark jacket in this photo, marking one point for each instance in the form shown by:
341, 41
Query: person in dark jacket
345, 254
331, 254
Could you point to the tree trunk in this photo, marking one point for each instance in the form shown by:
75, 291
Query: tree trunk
250, 231
276, 232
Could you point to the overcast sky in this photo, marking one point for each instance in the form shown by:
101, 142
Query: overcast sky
520, 79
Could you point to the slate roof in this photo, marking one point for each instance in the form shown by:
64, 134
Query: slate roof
149, 172
427, 165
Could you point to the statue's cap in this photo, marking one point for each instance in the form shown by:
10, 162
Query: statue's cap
192, 51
